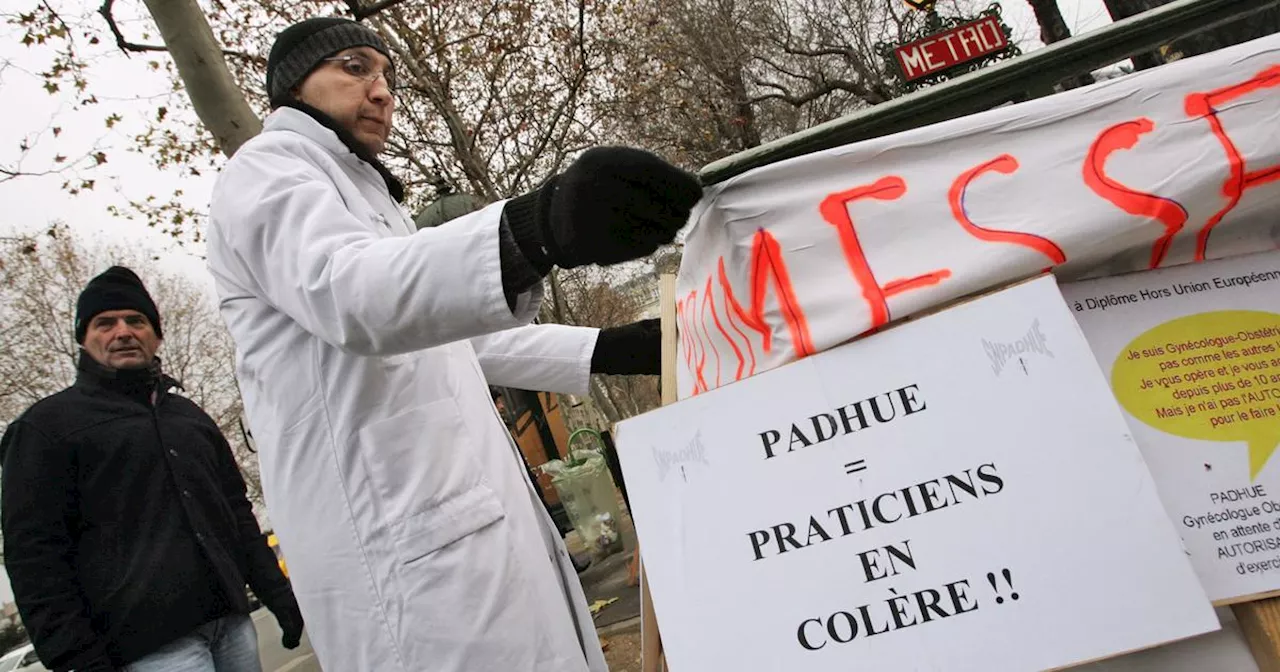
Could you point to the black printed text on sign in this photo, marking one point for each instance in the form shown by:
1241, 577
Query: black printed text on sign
945, 50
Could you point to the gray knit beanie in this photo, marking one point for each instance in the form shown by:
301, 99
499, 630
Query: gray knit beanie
301, 47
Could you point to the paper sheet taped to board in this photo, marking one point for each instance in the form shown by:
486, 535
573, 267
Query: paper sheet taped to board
1193, 354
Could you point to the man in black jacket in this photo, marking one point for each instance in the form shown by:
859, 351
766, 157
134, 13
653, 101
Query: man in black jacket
127, 534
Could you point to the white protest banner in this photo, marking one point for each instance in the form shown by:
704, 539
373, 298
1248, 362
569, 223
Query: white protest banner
958, 493
1193, 354
1164, 167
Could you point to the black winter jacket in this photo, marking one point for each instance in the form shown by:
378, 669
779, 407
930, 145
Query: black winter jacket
125, 523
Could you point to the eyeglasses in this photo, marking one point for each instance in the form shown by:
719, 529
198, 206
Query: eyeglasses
359, 67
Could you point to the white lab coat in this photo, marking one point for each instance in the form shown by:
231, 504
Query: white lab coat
414, 539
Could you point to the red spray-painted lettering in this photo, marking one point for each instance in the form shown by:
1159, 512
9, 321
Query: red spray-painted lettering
1239, 180
708, 302
737, 352
685, 347
1167, 211
695, 353
767, 265
835, 210
1005, 165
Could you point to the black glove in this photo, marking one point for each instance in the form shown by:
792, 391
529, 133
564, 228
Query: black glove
285, 608
632, 349
613, 204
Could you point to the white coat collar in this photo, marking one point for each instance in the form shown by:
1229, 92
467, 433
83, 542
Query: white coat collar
295, 118
289, 119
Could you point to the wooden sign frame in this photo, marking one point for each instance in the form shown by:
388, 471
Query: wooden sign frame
651, 656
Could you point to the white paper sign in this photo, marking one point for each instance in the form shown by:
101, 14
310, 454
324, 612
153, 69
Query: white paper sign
1193, 354
959, 493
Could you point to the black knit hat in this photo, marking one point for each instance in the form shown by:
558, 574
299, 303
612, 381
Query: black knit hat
117, 288
300, 48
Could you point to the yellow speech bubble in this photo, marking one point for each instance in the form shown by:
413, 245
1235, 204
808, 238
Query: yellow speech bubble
1210, 376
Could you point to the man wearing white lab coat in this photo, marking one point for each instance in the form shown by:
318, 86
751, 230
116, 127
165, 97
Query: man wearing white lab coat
414, 538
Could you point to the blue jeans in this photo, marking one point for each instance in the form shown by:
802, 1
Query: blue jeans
228, 644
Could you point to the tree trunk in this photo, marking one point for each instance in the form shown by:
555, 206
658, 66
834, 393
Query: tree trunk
748, 130
1123, 9
560, 312
214, 94
1053, 28
604, 401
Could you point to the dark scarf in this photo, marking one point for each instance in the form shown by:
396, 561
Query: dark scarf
394, 186
137, 384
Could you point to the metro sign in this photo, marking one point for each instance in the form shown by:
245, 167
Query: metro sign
943, 51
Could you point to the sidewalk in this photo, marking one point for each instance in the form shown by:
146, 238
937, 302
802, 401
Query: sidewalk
272, 654
607, 579
307, 663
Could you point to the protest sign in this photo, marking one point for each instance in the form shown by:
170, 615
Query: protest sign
1176, 164
1193, 354
960, 493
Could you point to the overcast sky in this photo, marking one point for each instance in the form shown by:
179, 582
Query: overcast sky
130, 88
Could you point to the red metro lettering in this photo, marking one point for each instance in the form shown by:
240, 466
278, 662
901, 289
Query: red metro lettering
1006, 165
1240, 179
1167, 211
835, 210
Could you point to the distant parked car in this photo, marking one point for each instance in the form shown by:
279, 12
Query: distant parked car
22, 659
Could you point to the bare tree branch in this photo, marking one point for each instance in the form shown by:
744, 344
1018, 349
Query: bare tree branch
568, 105
362, 13
107, 12
121, 42
40, 277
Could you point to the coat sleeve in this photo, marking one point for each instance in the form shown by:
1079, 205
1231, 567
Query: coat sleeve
543, 357
262, 570
280, 228
38, 509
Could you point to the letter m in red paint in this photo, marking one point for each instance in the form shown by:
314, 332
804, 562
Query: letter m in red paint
768, 267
